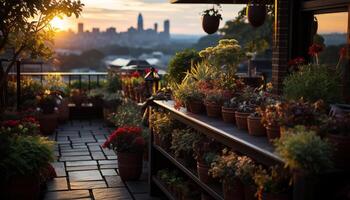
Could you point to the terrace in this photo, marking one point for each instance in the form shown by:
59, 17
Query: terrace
204, 130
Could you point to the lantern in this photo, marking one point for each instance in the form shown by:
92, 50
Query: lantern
152, 82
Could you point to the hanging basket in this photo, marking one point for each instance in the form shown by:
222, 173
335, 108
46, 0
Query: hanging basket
314, 26
256, 14
210, 23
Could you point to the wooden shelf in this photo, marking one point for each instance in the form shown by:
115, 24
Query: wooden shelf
257, 148
180, 166
163, 189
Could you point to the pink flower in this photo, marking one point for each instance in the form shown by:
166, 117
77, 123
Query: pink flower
315, 49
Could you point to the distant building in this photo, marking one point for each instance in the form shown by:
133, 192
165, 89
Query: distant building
156, 27
167, 27
80, 28
140, 22
111, 30
95, 30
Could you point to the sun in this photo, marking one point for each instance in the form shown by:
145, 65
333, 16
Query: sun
58, 23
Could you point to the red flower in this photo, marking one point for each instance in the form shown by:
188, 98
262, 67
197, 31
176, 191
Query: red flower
342, 53
125, 134
30, 119
139, 141
315, 49
296, 61
11, 123
136, 74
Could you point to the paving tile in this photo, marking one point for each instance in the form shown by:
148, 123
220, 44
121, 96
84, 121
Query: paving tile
108, 166
59, 168
137, 186
114, 181
82, 168
109, 152
112, 157
81, 163
95, 148
57, 184
76, 153
111, 194
90, 175
73, 150
87, 184
108, 162
67, 195
98, 156
75, 158
108, 172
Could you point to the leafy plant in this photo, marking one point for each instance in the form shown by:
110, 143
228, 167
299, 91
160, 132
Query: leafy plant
224, 166
25, 126
47, 101
54, 82
304, 150
186, 92
244, 107
245, 169
313, 82
26, 155
212, 12
183, 140
337, 126
214, 96
126, 139
127, 114
114, 83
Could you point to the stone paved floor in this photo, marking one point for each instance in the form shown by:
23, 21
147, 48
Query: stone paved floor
87, 171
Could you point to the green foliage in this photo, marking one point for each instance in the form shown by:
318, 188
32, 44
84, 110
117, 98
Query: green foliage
312, 83
207, 41
85, 85
246, 168
181, 63
114, 83
272, 180
128, 114
304, 150
224, 166
25, 155
183, 140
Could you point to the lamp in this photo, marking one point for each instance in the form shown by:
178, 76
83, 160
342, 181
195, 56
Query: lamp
152, 82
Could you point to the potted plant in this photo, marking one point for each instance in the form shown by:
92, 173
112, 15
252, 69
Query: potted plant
162, 125
242, 113
111, 101
255, 127
126, 114
224, 167
47, 117
228, 110
213, 101
211, 20
272, 183
129, 144
77, 96
23, 158
256, 13
270, 118
245, 169
338, 135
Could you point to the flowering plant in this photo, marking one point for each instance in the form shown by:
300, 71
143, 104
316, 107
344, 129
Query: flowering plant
47, 101
314, 50
25, 126
224, 166
246, 168
295, 64
126, 139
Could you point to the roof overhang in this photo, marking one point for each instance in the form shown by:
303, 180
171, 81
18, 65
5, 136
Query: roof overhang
215, 2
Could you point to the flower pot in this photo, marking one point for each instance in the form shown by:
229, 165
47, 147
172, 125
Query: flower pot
203, 175
228, 115
249, 192
233, 190
63, 111
130, 165
210, 24
256, 14
22, 187
273, 132
341, 153
213, 110
195, 107
241, 120
156, 139
255, 128
48, 123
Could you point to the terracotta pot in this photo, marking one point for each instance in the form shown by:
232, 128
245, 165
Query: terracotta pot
213, 110
210, 24
255, 128
156, 139
130, 165
256, 14
271, 196
196, 107
48, 123
22, 187
63, 111
228, 115
233, 190
241, 120
341, 153
249, 192
273, 132
203, 175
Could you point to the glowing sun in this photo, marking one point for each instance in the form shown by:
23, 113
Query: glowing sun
58, 23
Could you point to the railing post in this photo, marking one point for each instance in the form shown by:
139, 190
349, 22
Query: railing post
89, 85
98, 80
69, 79
80, 81
18, 79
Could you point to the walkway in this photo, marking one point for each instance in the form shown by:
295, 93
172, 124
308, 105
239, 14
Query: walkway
87, 171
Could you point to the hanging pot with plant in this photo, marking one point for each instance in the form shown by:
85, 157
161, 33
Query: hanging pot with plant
211, 20
256, 13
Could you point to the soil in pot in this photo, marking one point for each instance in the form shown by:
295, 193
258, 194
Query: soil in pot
273, 132
255, 128
213, 110
203, 175
130, 165
48, 123
256, 14
233, 190
241, 120
228, 115
210, 24
196, 107
341, 153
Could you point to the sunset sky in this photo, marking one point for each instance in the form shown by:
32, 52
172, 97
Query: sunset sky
184, 19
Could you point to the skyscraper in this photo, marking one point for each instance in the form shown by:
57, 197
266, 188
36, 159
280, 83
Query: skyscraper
167, 27
80, 28
155, 27
140, 22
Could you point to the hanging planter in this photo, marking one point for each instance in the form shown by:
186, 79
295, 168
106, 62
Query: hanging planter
314, 26
211, 20
256, 14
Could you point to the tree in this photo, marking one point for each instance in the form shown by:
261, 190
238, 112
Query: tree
25, 30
